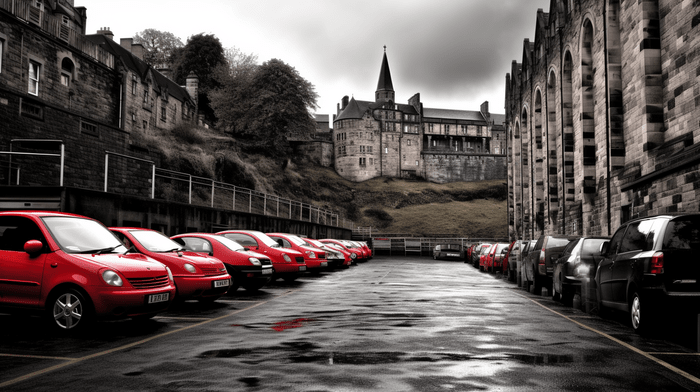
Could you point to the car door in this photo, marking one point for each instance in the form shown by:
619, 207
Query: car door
605, 267
625, 263
20, 273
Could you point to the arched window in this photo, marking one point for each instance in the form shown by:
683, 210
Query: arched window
67, 68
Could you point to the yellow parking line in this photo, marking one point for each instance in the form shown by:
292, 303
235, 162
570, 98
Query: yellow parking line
126, 346
181, 318
36, 356
620, 342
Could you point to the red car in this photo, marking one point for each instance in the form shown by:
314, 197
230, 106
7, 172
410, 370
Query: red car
348, 246
314, 258
203, 278
287, 263
248, 269
349, 257
483, 255
72, 269
335, 257
494, 260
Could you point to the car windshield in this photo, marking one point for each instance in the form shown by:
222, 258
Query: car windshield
683, 233
80, 235
348, 244
155, 241
231, 244
266, 240
296, 240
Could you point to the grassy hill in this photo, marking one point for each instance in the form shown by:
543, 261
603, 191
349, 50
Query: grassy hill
416, 208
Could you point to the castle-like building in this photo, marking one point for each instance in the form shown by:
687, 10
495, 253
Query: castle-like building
602, 116
382, 138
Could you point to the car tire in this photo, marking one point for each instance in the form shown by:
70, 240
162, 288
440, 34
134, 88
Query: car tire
555, 294
536, 284
642, 315
567, 295
68, 311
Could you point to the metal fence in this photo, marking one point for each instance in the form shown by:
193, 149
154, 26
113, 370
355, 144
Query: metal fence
422, 246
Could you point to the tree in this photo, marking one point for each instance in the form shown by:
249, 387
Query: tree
275, 103
201, 55
159, 46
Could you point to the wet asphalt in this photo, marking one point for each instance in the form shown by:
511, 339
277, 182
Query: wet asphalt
390, 324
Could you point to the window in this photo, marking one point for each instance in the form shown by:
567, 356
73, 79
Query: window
362, 148
31, 110
369, 149
416, 163
386, 150
145, 124
88, 128
2, 52
134, 85
34, 73
145, 95
408, 142
66, 71
163, 113
363, 161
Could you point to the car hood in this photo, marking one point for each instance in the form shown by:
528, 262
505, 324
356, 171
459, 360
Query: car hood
180, 258
130, 264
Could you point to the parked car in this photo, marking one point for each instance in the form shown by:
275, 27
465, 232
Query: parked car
314, 258
199, 277
367, 249
483, 256
494, 259
334, 257
359, 255
248, 269
476, 254
71, 269
651, 264
510, 261
349, 257
366, 252
287, 263
451, 251
577, 265
538, 266
468, 253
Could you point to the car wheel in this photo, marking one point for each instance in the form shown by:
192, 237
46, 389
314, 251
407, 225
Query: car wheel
536, 284
567, 295
68, 310
642, 316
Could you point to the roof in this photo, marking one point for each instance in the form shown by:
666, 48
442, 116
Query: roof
321, 117
498, 119
450, 114
384, 83
357, 109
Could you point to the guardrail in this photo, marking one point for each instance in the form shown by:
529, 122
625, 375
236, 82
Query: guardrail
61, 154
422, 246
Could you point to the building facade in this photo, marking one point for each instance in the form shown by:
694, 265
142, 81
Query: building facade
602, 116
82, 92
382, 138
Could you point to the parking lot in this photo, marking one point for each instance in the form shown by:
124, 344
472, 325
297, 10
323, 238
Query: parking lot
392, 323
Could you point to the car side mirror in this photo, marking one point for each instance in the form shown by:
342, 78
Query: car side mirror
604, 248
33, 247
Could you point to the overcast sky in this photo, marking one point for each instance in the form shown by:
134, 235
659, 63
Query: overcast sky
455, 53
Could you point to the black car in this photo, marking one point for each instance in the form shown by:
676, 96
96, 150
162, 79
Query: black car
576, 267
650, 264
538, 266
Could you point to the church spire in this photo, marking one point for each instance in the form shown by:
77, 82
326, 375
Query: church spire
385, 88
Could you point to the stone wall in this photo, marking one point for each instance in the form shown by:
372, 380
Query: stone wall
446, 167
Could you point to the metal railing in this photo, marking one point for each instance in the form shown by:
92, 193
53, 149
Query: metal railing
11, 153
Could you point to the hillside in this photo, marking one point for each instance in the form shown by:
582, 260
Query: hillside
416, 208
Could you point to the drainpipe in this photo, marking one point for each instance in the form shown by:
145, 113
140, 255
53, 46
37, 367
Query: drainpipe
563, 147
607, 116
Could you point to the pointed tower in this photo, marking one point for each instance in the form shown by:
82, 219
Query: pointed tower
385, 89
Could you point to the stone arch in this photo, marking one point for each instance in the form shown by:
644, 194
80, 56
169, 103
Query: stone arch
587, 115
567, 99
539, 161
553, 145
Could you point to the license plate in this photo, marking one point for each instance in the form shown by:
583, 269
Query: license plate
302, 268
267, 271
155, 298
324, 264
222, 283
452, 255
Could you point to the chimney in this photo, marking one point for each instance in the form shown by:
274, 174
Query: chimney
137, 50
106, 32
345, 102
126, 43
192, 85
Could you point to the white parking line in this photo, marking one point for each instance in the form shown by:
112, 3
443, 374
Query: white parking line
35, 356
626, 345
71, 361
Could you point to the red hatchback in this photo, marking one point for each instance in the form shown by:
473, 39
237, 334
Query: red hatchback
74, 270
287, 263
353, 249
314, 258
197, 277
248, 269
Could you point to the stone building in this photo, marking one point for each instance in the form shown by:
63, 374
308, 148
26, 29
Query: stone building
602, 116
382, 138
84, 93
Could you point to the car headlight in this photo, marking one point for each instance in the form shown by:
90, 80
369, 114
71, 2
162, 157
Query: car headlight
254, 261
170, 275
190, 268
353, 256
311, 254
286, 258
112, 278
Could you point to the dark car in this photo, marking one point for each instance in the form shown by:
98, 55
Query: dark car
476, 254
452, 251
650, 264
576, 267
538, 266
510, 262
